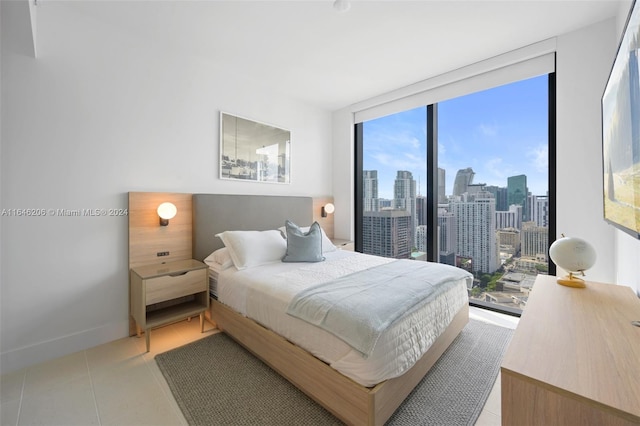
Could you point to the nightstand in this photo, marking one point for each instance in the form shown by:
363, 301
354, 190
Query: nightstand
343, 244
168, 292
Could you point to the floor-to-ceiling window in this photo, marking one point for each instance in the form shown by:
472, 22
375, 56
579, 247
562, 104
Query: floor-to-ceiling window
394, 172
466, 181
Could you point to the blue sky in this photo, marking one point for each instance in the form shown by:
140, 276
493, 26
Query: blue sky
499, 132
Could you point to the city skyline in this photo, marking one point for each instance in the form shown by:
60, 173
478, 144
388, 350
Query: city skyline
500, 132
472, 229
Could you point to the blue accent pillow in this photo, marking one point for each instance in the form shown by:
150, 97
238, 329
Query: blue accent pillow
303, 246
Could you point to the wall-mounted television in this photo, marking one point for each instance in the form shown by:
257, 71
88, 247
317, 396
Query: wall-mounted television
621, 132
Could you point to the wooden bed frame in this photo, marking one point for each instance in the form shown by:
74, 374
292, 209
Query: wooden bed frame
349, 401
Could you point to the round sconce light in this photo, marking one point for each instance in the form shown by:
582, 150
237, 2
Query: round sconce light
166, 211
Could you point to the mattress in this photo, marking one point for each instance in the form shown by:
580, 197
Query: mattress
213, 282
263, 294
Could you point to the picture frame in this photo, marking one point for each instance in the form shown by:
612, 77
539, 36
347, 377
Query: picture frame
252, 151
621, 132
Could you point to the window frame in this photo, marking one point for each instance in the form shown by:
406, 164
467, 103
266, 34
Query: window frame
432, 184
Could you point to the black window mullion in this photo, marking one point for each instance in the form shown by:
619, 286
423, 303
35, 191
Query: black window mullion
552, 166
358, 202
433, 254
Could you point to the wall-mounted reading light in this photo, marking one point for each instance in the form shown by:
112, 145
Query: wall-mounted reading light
166, 211
327, 209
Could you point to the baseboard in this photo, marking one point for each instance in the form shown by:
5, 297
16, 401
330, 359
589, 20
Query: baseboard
17, 359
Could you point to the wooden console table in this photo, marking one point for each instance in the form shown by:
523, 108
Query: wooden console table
574, 358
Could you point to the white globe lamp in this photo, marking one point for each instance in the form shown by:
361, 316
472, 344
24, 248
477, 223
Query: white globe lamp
166, 211
327, 209
575, 256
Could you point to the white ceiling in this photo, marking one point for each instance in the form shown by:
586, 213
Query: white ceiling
311, 52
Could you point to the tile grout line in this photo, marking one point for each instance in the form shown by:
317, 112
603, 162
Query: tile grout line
24, 381
169, 397
159, 377
93, 390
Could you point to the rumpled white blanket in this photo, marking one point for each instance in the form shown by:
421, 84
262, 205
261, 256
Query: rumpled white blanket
359, 307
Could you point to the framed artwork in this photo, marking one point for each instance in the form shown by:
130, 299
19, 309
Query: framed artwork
621, 132
254, 151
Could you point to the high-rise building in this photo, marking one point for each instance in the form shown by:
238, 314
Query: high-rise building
475, 188
535, 242
539, 208
370, 190
384, 204
508, 240
420, 237
464, 178
476, 231
420, 242
404, 195
387, 233
446, 235
517, 193
421, 210
404, 191
509, 219
442, 196
500, 194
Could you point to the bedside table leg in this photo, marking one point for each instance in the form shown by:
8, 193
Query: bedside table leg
147, 336
201, 322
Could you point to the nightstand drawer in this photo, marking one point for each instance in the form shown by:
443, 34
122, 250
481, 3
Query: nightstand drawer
170, 287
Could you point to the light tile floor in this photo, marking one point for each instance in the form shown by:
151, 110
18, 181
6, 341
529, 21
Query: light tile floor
119, 384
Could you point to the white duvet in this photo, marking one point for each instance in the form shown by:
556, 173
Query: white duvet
263, 294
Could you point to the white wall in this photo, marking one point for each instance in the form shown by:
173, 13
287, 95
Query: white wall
343, 174
100, 113
584, 59
627, 248
583, 62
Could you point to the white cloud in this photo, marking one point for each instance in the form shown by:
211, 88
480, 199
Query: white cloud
497, 171
539, 157
402, 161
397, 150
495, 168
488, 130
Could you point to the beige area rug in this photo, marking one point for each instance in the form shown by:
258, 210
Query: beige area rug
217, 382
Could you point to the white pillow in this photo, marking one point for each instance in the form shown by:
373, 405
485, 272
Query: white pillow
216, 268
327, 245
220, 259
254, 248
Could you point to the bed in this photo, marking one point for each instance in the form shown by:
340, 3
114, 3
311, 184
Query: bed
252, 304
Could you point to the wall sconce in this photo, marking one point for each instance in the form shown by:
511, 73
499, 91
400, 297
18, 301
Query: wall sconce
327, 209
166, 211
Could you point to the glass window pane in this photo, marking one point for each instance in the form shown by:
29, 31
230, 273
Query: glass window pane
394, 173
492, 188
494, 217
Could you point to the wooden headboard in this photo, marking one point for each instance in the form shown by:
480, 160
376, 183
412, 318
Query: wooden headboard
147, 238
215, 213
